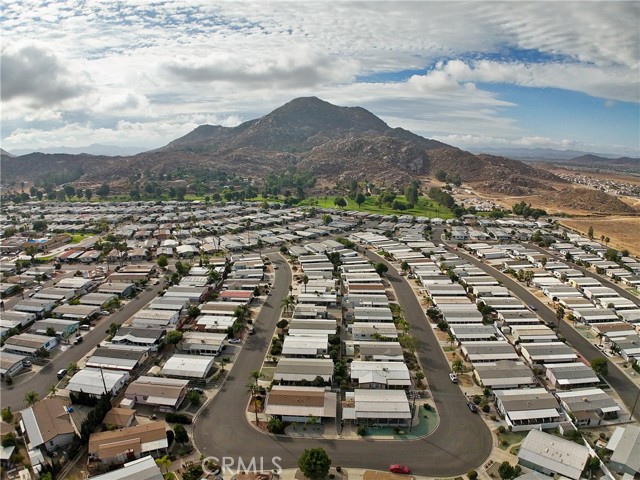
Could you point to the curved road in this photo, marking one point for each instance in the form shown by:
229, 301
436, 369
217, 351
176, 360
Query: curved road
626, 389
461, 442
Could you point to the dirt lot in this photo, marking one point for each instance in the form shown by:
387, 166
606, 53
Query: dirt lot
623, 231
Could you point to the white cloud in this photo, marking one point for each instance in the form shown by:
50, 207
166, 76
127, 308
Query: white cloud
162, 63
37, 75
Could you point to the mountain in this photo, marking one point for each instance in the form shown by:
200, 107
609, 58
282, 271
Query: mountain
93, 149
534, 154
5, 153
297, 126
336, 144
597, 159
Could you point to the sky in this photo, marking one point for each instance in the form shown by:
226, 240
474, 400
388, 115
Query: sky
481, 74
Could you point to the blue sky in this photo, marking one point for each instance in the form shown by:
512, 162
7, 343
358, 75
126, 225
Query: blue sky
477, 74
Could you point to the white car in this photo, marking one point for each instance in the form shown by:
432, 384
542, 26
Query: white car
453, 377
235, 341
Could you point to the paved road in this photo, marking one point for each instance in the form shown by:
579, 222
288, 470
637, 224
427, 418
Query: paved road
41, 382
461, 441
627, 390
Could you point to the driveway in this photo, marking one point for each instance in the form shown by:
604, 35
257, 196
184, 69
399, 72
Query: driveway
461, 442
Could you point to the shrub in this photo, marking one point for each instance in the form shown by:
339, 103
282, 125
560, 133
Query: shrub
486, 408
472, 474
493, 418
501, 429
178, 418
275, 425
362, 430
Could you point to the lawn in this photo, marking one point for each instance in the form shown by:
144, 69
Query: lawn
78, 237
425, 207
506, 439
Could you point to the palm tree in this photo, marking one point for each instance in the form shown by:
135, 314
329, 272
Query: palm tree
288, 303
457, 366
31, 398
164, 463
53, 390
305, 280
223, 363
253, 389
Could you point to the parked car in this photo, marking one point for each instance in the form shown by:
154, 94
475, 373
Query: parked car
397, 468
472, 407
78, 340
533, 307
252, 330
26, 363
235, 341
453, 377
197, 389
38, 288
61, 373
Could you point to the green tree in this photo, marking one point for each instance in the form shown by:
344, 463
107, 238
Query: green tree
305, 280
404, 266
180, 434
340, 202
88, 193
507, 471
590, 233
381, 268
7, 415
288, 303
314, 463
193, 397
600, 366
31, 398
440, 175
162, 261
360, 199
32, 251
69, 191
256, 375
173, 337
50, 332
103, 191
457, 366
39, 226
163, 463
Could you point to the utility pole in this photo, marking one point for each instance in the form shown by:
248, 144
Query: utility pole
103, 382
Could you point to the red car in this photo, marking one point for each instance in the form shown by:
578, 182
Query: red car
397, 468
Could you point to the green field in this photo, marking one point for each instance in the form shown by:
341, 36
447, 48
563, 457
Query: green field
78, 237
425, 207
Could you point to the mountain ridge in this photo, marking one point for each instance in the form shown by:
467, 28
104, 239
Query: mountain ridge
334, 143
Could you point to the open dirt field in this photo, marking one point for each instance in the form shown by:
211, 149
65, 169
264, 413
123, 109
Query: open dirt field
624, 232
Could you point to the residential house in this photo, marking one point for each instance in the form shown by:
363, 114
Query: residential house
567, 376
589, 405
291, 371
116, 447
167, 394
380, 375
300, 404
191, 367
144, 468
377, 408
48, 424
504, 374
528, 409
625, 445
553, 455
